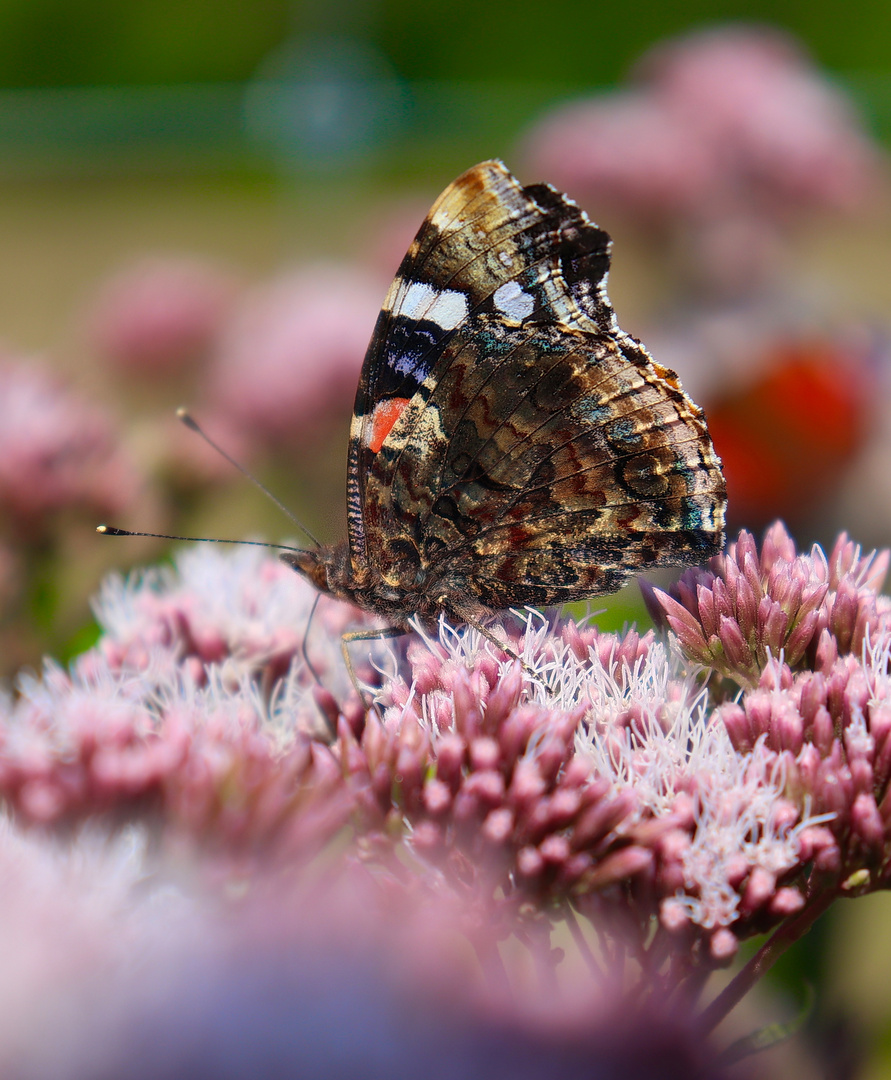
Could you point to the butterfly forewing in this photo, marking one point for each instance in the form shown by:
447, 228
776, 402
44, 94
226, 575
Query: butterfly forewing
510, 443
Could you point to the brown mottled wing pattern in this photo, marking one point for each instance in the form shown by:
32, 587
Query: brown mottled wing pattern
511, 444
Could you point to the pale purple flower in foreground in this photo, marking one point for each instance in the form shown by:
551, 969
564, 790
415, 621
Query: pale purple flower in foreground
161, 314
58, 453
289, 356
118, 962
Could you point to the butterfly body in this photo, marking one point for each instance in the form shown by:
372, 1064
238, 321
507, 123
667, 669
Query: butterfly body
510, 444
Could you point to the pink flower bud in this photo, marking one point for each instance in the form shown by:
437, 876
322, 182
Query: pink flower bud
723, 946
867, 822
485, 753
800, 638
486, 786
739, 727
498, 826
786, 728
530, 862
736, 649
624, 864
673, 915
760, 887
451, 751
747, 608
827, 651
705, 599
774, 633
437, 797
785, 902
427, 837
843, 617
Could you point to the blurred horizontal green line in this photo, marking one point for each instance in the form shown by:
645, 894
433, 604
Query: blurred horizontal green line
215, 125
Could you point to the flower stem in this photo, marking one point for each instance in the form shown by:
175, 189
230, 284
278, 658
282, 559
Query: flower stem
764, 960
581, 942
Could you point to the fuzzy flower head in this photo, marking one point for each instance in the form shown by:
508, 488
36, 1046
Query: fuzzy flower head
215, 767
240, 611
601, 778
773, 123
196, 709
827, 730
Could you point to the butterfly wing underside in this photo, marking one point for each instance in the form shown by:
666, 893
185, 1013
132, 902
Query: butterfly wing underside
508, 438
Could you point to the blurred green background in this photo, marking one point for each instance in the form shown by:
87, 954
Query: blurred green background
259, 133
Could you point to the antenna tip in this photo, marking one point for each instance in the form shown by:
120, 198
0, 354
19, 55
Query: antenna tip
101, 528
183, 414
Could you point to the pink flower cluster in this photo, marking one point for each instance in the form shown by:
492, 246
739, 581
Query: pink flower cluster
808, 637
587, 773
204, 763
751, 607
288, 357
602, 780
716, 117
240, 611
194, 709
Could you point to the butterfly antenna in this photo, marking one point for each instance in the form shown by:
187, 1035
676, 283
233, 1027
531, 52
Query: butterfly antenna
186, 417
110, 530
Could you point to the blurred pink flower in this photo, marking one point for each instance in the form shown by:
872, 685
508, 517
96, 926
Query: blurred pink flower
772, 120
58, 453
716, 120
160, 314
626, 151
289, 356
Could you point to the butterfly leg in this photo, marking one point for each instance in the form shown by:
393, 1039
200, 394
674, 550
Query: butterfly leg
364, 635
493, 638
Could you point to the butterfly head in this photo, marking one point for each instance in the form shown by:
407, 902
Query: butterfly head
323, 567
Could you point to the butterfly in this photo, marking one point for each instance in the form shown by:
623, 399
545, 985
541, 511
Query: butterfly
510, 445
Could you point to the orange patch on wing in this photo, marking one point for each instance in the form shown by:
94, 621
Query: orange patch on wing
385, 415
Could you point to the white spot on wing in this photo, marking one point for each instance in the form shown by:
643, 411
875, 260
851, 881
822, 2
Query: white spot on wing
513, 302
447, 309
